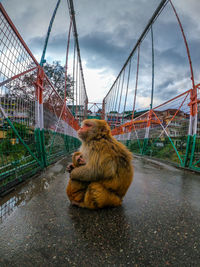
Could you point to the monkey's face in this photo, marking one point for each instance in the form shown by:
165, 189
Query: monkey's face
85, 130
93, 129
80, 160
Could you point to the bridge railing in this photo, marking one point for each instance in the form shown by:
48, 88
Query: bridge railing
196, 150
134, 106
161, 132
36, 126
164, 132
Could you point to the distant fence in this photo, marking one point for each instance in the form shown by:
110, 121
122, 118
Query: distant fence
36, 127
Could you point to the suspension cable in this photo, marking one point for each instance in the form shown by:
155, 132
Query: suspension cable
42, 61
72, 14
67, 59
73, 76
127, 89
136, 82
152, 88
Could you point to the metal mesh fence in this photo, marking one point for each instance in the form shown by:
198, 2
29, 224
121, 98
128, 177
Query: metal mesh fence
36, 127
59, 125
164, 132
14, 58
169, 130
19, 153
17, 103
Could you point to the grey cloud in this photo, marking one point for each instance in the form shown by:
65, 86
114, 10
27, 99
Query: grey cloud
108, 30
100, 51
56, 44
97, 49
166, 90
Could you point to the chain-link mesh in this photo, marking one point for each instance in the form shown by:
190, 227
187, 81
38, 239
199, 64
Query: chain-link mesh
36, 127
14, 58
163, 132
169, 130
17, 107
59, 125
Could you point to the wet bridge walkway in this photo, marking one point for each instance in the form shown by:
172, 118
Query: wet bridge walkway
157, 225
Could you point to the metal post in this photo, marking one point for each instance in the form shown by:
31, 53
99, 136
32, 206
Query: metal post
193, 104
146, 139
39, 128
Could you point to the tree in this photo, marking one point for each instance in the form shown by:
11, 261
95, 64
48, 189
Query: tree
24, 88
56, 74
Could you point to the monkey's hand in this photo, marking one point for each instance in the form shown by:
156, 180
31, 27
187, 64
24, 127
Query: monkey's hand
94, 172
70, 168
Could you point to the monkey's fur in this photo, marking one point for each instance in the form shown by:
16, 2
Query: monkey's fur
108, 171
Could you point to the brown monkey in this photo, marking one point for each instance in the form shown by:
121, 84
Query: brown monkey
108, 169
76, 189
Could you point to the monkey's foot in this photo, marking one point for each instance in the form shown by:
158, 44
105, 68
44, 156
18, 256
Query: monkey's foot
73, 202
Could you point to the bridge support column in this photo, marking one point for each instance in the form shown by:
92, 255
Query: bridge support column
146, 138
39, 115
103, 110
192, 132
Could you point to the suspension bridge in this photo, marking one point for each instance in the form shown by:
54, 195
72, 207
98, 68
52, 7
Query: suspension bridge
38, 128
39, 125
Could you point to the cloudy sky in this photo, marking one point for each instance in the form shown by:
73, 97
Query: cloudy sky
108, 31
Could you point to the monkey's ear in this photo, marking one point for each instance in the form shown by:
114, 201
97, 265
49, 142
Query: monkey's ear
105, 131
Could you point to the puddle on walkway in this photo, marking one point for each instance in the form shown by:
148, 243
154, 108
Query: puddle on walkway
27, 190
22, 195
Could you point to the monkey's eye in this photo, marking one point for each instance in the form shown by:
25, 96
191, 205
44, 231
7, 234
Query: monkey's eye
88, 125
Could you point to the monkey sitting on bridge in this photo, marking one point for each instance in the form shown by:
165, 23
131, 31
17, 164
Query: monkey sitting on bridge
107, 173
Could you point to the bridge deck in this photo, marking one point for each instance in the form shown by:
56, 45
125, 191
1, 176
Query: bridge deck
158, 224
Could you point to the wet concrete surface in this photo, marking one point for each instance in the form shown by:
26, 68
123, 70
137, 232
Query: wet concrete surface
157, 225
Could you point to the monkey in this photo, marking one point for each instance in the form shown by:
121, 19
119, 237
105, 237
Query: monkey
77, 160
76, 189
108, 168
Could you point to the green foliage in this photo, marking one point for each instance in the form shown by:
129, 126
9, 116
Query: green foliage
134, 145
10, 146
56, 74
166, 151
5, 147
22, 130
25, 89
12, 151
